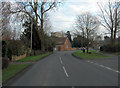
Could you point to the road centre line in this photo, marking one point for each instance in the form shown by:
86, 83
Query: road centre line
64, 67
104, 66
61, 60
65, 71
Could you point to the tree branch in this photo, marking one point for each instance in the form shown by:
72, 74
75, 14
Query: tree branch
50, 7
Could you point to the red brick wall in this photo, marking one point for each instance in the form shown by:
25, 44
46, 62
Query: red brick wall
63, 47
67, 45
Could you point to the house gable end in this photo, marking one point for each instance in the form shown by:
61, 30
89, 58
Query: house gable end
68, 41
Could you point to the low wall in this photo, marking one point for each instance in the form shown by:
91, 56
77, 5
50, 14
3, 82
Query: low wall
73, 48
14, 58
69, 49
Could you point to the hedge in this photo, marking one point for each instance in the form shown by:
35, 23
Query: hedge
111, 48
16, 47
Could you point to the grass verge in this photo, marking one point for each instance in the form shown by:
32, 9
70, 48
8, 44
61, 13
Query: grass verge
93, 55
12, 70
33, 58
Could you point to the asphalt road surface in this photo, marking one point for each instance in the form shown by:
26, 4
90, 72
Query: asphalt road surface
62, 69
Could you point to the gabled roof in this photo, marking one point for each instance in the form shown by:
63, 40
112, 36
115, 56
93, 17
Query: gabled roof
60, 40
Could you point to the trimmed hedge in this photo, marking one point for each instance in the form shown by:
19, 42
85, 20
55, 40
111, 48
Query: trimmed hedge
110, 48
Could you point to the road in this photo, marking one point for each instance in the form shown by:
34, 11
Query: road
62, 69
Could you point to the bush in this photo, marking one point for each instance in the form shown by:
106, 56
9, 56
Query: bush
5, 62
111, 48
49, 44
16, 47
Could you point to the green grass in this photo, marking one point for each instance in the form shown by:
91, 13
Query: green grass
93, 55
33, 58
12, 70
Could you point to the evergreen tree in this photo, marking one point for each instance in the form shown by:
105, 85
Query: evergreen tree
26, 36
69, 36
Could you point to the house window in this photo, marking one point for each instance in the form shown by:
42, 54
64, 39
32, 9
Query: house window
66, 46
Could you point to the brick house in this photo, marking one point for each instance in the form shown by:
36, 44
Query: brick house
63, 44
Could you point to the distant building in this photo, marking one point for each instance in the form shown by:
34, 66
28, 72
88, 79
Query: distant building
63, 43
58, 34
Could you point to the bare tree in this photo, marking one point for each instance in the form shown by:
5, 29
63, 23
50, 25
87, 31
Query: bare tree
36, 11
9, 21
47, 25
4, 18
86, 25
45, 7
110, 17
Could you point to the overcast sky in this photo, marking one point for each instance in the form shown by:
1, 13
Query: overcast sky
64, 17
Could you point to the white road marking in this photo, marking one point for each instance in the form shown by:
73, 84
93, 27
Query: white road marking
96, 63
108, 68
73, 87
88, 61
61, 60
64, 68
91, 62
65, 71
117, 71
104, 66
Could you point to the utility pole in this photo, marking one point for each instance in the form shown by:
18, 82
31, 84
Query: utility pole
31, 34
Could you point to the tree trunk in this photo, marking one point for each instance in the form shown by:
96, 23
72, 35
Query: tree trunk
42, 32
116, 24
36, 20
87, 39
87, 44
83, 37
112, 42
87, 49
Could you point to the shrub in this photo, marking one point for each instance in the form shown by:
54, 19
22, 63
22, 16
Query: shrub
49, 44
5, 62
111, 48
16, 47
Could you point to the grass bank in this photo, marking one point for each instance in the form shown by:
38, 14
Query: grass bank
93, 55
33, 58
12, 70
